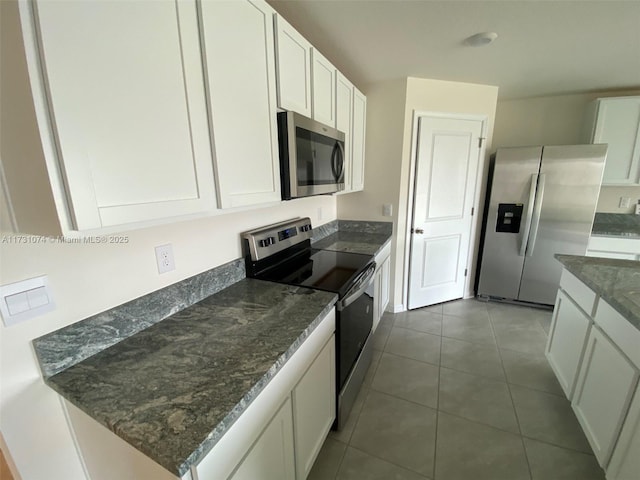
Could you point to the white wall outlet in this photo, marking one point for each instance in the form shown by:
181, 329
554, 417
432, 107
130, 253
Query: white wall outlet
387, 210
319, 213
164, 258
624, 202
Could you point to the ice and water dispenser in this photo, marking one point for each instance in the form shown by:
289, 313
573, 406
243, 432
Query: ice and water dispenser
509, 217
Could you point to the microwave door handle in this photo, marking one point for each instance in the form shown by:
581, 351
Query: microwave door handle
341, 160
334, 166
337, 161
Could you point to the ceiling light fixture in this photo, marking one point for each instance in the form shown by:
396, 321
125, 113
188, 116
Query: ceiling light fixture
481, 39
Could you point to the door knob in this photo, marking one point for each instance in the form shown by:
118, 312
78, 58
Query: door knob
418, 230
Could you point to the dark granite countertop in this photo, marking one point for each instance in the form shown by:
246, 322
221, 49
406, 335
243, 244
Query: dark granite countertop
354, 242
173, 389
616, 225
616, 281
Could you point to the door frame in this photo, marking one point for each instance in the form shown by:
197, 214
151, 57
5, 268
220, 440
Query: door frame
409, 214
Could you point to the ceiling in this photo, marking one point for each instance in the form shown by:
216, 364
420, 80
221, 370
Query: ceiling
544, 47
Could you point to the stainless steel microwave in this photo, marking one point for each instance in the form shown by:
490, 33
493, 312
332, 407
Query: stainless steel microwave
311, 157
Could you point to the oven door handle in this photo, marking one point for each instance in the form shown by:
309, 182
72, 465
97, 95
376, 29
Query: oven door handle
360, 285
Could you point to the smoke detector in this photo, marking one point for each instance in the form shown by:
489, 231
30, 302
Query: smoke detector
481, 39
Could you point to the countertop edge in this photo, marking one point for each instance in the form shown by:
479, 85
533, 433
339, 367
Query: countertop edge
567, 263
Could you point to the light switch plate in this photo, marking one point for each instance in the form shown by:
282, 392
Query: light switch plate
625, 202
26, 299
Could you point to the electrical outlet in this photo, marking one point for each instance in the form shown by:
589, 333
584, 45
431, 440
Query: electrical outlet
164, 258
387, 210
624, 202
319, 213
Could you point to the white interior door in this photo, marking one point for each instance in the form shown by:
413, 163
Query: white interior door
448, 154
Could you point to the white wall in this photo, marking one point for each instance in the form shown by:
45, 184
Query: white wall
88, 279
557, 120
389, 149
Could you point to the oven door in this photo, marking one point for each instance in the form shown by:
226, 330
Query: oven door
355, 321
311, 156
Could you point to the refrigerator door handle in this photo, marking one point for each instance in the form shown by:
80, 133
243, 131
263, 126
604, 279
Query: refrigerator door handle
535, 222
527, 218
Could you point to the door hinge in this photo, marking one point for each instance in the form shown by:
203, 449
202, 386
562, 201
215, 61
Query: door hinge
465, 272
473, 209
480, 141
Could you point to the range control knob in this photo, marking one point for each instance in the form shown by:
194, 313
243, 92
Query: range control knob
265, 242
305, 228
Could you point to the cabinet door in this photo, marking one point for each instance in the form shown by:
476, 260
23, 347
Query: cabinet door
618, 124
314, 408
385, 284
358, 139
323, 87
271, 456
344, 121
127, 102
293, 60
567, 338
606, 382
625, 460
240, 75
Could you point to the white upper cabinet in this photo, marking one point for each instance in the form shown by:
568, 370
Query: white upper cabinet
323, 83
617, 123
293, 60
358, 140
127, 109
238, 39
344, 120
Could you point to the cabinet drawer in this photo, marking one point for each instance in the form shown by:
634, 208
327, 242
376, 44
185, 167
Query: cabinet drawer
582, 295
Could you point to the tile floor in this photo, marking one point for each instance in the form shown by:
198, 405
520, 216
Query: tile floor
460, 391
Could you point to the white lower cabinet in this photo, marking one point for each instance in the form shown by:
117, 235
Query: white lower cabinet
593, 350
606, 382
314, 409
625, 460
381, 284
271, 456
567, 337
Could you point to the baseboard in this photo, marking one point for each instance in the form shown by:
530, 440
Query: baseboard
396, 308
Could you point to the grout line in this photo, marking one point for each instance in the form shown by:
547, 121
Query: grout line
513, 404
392, 463
435, 442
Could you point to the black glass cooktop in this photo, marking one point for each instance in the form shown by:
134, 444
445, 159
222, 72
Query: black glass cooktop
322, 269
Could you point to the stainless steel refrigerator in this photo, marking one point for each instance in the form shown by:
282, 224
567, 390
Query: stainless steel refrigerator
541, 201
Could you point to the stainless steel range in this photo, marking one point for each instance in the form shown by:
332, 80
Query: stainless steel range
282, 253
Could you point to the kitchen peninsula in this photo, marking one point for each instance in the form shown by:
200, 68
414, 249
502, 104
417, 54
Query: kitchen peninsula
593, 348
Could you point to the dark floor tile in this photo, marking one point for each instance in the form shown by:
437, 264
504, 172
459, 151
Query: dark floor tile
398, 431
551, 462
471, 358
424, 347
468, 450
549, 418
328, 461
358, 465
530, 370
409, 379
464, 307
474, 327
477, 398
423, 321
382, 332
